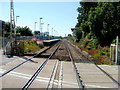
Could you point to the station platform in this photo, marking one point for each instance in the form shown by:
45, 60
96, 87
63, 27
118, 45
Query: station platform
50, 42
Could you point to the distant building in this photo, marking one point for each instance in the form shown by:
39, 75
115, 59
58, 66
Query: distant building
46, 33
37, 33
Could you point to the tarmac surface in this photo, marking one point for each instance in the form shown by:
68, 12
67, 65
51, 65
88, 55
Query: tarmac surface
19, 77
91, 76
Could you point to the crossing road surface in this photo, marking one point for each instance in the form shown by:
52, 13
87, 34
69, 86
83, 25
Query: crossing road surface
69, 76
19, 77
93, 77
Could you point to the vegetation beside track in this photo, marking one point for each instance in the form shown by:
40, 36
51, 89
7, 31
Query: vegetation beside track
100, 55
31, 46
97, 27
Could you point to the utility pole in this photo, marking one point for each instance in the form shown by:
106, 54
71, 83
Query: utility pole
12, 24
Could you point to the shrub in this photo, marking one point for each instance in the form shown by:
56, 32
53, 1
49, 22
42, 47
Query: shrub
93, 51
32, 46
82, 48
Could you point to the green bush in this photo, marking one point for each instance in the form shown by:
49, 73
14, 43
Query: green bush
29, 46
90, 45
32, 46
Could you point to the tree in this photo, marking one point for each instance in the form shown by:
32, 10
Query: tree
100, 19
83, 15
7, 26
24, 31
7, 29
105, 22
77, 34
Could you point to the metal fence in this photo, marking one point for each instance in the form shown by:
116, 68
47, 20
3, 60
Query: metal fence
5, 40
30, 37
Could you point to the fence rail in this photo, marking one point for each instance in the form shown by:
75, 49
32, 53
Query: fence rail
5, 40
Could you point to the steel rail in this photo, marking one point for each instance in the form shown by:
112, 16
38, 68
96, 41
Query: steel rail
80, 82
118, 83
26, 86
60, 76
52, 75
11, 69
79, 51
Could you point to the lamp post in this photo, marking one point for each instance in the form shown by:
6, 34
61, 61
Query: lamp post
40, 25
48, 29
16, 18
52, 31
56, 32
35, 26
16, 23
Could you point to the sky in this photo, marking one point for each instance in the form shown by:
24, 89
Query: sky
62, 16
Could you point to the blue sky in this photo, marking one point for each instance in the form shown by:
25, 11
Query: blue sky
62, 16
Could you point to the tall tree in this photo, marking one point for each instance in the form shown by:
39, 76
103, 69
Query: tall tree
83, 10
105, 22
100, 19
24, 31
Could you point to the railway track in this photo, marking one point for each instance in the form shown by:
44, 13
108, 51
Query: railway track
86, 59
54, 48
62, 73
38, 70
28, 59
57, 75
80, 82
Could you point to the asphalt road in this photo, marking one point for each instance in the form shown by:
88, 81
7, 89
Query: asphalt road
93, 77
90, 74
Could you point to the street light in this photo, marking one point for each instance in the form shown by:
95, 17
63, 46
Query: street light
16, 24
52, 31
55, 32
35, 26
16, 18
48, 28
41, 25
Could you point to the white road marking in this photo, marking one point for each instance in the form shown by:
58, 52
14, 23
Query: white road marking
60, 76
43, 79
96, 86
26, 76
20, 59
53, 76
